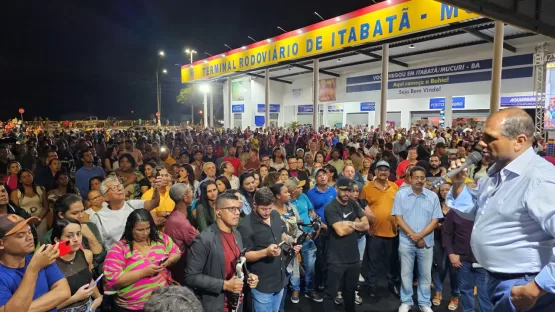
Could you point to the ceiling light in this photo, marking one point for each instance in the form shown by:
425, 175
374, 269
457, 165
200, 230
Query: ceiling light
223, 55
268, 40
338, 60
244, 48
411, 46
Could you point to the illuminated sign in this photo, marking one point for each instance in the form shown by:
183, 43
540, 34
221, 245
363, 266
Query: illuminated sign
238, 108
274, 108
375, 23
368, 106
457, 102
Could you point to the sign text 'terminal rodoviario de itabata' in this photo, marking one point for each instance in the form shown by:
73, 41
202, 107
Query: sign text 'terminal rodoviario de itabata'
381, 21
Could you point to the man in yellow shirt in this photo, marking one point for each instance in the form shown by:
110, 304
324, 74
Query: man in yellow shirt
166, 206
383, 237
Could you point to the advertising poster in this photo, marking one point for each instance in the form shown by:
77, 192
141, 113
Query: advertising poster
237, 91
549, 117
327, 90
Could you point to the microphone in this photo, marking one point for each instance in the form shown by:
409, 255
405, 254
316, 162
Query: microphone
472, 159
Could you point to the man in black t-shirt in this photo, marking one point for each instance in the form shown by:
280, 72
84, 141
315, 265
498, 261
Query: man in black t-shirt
345, 218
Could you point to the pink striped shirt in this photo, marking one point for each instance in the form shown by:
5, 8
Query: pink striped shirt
120, 260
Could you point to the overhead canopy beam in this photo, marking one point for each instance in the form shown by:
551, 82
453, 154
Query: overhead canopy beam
379, 58
322, 71
489, 39
271, 78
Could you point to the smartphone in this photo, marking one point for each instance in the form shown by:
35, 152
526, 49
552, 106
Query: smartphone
96, 281
163, 260
64, 248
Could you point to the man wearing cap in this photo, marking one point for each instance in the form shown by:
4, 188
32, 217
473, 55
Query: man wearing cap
382, 242
299, 174
321, 195
308, 251
28, 282
345, 218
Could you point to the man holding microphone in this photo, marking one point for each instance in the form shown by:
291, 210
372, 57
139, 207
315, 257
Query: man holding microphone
514, 212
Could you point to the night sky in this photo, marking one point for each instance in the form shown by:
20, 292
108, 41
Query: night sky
72, 59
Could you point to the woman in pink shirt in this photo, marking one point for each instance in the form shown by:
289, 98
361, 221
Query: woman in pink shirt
11, 176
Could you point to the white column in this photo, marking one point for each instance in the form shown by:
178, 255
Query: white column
497, 67
212, 90
381, 110
325, 120
448, 111
205, 109
228, 113
315, 92
267, 98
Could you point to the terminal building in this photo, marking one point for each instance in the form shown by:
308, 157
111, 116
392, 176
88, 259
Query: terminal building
440, 63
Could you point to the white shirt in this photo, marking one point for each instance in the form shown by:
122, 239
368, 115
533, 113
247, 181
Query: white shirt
111, 223
234, 182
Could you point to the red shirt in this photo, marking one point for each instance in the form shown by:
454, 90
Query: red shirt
236, 162
231, 253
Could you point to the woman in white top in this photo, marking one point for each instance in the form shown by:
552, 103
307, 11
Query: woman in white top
32, 198
278, 161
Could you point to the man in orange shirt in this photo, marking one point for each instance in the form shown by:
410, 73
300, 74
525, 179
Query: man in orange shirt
382, 238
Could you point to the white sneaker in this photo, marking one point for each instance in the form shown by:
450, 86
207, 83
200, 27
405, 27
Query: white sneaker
358, 299
360, 278
426, 309
404, 308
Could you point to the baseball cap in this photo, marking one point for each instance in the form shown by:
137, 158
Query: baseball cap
300, 149
318, 170
12, 223
294, 183
382, 163
344, 183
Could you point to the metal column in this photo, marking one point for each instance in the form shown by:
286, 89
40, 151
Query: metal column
204, 112
315, 92
227, 108
381, 118
448, 112
266, 98
497, 67
212, 107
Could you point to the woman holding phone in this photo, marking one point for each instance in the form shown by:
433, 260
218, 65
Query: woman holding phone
76, 264
137, 264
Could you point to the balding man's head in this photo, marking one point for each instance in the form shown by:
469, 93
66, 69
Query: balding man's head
508, 134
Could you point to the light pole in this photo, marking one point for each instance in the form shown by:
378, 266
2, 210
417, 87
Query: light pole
191, 53
205, 88
158, 98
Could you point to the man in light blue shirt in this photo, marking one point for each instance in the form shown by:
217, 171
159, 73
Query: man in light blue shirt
85, 173
514, 212
417, 212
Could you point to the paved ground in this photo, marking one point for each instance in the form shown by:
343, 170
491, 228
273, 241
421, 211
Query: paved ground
385, 303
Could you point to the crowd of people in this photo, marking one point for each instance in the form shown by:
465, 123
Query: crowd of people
230, 220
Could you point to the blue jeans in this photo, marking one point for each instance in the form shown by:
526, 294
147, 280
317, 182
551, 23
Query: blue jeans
470, 277
500, 294
443, 267
362, 246
309, 259
425, 257
263, 302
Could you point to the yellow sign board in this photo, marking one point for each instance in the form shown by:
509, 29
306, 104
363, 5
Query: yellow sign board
378, 22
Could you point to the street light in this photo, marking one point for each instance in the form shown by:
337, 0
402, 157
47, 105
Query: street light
320, 16
158, 89
191, 53
165, 71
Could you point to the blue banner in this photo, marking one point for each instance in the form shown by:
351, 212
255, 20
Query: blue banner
238, 108
274, 108
309, 108
368, 106
528, 100
432, 84
517, 60
439, 103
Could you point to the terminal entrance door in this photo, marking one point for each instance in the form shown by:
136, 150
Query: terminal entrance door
238, 121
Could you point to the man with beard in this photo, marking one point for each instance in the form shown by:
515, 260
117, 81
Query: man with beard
85, 173
211, 264
345, 218
435, 170
262, 233
417, 212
